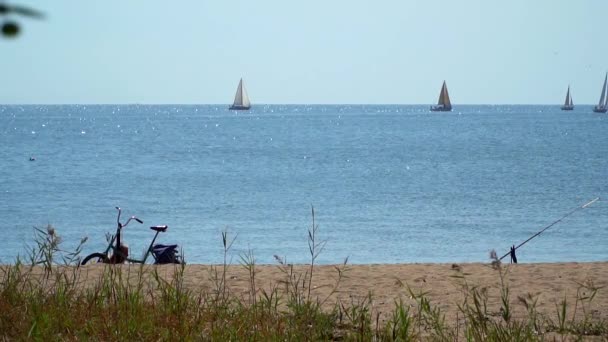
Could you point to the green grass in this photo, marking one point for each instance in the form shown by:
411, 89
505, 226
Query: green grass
41, 300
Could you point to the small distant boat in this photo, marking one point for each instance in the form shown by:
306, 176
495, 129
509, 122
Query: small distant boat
241, 100
568, 104
602, 106
443, 104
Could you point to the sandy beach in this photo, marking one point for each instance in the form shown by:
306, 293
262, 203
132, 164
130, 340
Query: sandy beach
382, 285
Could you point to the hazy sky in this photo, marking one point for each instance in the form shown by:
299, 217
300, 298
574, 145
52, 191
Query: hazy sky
313, 51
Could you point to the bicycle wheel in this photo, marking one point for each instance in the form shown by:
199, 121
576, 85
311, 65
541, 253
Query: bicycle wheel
96, 257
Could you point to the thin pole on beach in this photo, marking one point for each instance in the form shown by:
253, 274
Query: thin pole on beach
552, 224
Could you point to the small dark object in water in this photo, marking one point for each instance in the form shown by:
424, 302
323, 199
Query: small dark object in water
10, 29
32, 158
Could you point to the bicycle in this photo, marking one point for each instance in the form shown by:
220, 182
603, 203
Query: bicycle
117, 253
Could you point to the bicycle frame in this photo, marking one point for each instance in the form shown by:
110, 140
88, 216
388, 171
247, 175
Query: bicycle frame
158, 230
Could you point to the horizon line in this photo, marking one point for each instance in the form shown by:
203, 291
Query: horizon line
285, 104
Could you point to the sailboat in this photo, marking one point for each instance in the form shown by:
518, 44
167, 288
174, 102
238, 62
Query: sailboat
443, 104
241, 100
568, 104
602, 106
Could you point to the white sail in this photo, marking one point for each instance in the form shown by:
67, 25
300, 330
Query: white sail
605, 105
603, 97
241, 99
246, 102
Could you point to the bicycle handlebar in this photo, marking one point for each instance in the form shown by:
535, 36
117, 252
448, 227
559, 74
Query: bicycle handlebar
132, 218
120, 225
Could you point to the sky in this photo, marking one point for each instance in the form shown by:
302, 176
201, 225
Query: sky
306, 52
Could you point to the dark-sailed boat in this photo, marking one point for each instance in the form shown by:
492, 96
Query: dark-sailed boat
443, 104
241, 100
568, 104
602, 106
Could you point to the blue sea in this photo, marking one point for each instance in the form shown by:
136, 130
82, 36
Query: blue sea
388, 183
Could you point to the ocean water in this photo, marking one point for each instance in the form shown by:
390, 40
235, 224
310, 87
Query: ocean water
389, 183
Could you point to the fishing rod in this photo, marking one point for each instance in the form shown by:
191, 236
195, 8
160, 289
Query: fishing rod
552, 224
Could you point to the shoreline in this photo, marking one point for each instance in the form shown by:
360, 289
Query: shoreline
264, 265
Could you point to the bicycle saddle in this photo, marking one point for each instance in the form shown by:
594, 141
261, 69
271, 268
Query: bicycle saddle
159, 228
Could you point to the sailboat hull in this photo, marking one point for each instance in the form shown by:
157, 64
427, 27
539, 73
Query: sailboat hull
600, 109
239, 107
441, 109
567, 107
